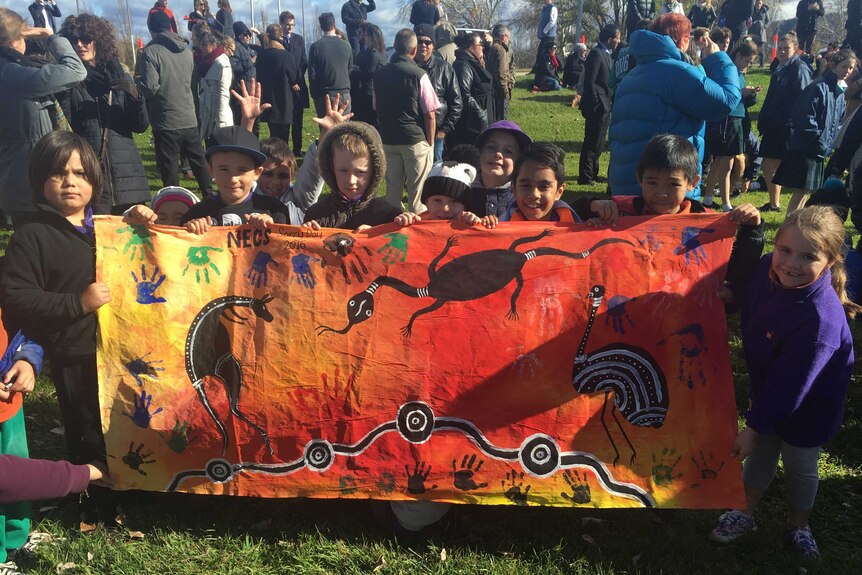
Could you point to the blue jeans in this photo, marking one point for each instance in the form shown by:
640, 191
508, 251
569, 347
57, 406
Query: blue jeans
438, 149
550, 84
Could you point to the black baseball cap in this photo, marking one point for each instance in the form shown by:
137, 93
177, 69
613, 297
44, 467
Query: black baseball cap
235, 139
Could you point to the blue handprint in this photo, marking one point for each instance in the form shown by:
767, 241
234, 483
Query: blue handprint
258, 272
690, 244
304, 275
146, 288
140, 366
142, 415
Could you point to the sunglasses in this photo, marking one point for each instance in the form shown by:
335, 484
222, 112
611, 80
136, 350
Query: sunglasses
426, 42
83, 38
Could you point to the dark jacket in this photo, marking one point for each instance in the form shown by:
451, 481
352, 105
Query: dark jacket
296, 46
442, 76
475, 84
572, 69
498, 61
276, 72
799, 354
242, 66
424, 13
854, 23
330, 60
52, 10
702, 16
806, 20
816, 116
759, 22
225, 19
48, 264
396, 91
164, 72
596, 99
36, 479
545, 69
222, 214
354, 13
362, 84
484, 201
784, 89
851, 141
196, 17
736, 13
86, 105
637, 10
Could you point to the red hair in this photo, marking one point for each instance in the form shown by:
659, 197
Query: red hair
676, 26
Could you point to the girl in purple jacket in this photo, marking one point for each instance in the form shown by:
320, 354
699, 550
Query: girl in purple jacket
799, 353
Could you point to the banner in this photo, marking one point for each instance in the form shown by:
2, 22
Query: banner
532, 364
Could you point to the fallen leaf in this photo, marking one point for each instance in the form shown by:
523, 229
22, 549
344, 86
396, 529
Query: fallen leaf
85, 527
443, 555
381, 563
136, 536
90, 555
47, 508
64, 567
588, 539
59, 431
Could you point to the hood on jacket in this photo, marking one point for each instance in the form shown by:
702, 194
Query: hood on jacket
172, 41
649, 47
376, 157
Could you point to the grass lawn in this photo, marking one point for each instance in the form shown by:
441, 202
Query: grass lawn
182, 534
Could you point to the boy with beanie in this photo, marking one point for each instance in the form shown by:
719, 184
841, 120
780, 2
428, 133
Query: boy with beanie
352, 163
445, 194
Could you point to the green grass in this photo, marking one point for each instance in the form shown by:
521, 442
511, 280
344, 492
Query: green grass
185, 534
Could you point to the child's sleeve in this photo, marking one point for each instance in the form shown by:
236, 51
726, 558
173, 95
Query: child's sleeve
36, 479
581, 207
29, 351
746, 253
22, 288
308, 183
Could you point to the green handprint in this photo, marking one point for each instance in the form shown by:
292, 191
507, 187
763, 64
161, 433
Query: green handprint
139, 236
200, 258
397, 245
179, 438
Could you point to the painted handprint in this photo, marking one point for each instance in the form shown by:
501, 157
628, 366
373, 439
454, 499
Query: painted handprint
147, 287
142, 416
259, 269
342, 245
135, 458
416, 480
662, 471
465, 476
303, 274
139, 241
617, 313
516, 492
141, 366
395, 249
178, 438
578, 485
690, 244
200, 259
707, 468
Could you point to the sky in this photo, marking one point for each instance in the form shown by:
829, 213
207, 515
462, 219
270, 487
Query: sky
384, 16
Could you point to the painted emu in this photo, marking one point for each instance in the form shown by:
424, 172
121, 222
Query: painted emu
208, 353
640, 391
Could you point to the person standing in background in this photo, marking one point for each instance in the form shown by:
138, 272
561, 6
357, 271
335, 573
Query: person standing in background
162, 6
547, 31
702, 14
637, 10
854, 26
295, 44
757, 30
736, 14
425, 12
277, 74
224, 17
371, 58
500, 63
329, 63
807, 13
43, 13
354, 13
596, 103
442, 76
200, 14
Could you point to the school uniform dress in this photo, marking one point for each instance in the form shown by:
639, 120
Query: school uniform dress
774, 121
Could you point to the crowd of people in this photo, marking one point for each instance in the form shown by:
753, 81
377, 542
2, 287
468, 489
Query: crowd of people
432, 122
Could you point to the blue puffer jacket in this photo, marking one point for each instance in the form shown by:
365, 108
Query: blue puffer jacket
817, 116
665, 94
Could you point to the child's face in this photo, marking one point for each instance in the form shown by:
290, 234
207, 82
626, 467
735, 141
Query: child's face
234, 174
497, 158
844, 68
665, 190
275, 179
69, 192
743, 62
536, 190
796, 261
171, 212
442, 208
352, 173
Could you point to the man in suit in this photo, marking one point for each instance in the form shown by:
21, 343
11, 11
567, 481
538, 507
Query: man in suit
596, 103
295, 44
43, 13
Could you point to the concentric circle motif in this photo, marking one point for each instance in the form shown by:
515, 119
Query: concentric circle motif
415, 421
319, 455
540, 455
219, 470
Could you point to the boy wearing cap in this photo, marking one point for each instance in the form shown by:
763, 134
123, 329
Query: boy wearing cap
500, 145
235, 160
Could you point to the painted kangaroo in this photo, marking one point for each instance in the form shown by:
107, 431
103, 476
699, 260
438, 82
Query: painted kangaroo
465, 278
208, 353
640, 391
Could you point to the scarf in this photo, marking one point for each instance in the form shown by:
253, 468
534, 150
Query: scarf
554, 61
203, 63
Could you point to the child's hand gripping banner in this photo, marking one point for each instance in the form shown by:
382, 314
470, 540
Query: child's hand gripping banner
529, 365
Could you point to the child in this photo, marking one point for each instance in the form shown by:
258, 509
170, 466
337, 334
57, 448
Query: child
816, 118
169, 205
499, 146
352, 162
48, 284
279, 173
444, 193
539, 176
235, 161
799, 353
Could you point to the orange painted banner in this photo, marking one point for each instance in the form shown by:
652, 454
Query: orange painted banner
530, 364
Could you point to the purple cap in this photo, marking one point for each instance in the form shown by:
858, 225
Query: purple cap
506, 126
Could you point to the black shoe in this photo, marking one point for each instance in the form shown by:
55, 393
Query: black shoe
586, 182
735, 194
601, 179
298, 154
767, 207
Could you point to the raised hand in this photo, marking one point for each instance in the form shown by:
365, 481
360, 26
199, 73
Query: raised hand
249, 102
334, 114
